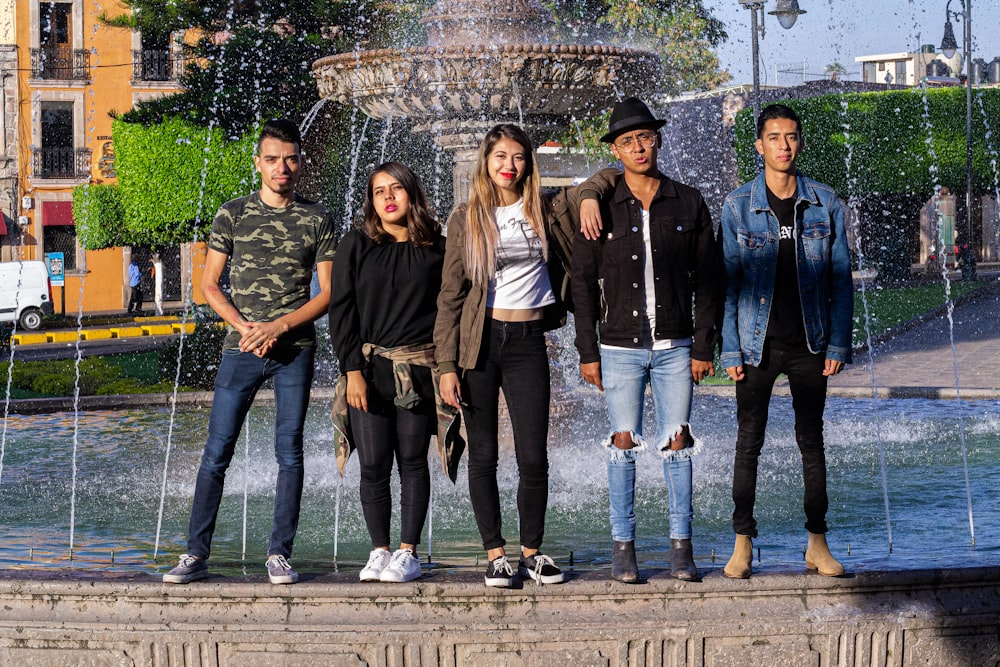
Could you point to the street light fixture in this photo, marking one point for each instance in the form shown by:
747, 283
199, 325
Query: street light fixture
948, 48
787, 13
948, 43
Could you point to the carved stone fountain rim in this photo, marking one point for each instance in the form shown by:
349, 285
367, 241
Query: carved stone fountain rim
458, 81
354, 57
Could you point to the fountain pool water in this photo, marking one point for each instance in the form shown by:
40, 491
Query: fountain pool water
121, 452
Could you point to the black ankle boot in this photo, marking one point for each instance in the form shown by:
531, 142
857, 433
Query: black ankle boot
681, 561
623, 565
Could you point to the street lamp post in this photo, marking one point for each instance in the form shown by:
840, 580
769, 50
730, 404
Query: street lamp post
948, 48
787, 12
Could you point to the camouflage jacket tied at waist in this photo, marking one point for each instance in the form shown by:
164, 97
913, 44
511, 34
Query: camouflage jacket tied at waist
449, 421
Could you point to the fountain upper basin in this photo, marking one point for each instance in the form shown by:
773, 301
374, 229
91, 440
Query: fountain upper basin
537, 84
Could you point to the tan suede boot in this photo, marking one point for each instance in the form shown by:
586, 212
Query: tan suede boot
818, 557
739, 565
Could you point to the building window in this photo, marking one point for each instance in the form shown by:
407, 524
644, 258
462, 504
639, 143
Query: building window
62, 239
868, 70
58, 157
900, 72
155, 62
55, 57
54, 21
59, 231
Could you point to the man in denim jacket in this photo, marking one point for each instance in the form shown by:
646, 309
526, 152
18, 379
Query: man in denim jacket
788, 309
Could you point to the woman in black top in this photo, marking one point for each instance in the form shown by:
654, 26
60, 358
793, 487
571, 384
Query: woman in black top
386, 279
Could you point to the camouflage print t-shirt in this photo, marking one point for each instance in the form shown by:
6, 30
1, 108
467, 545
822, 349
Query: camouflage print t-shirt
272, 252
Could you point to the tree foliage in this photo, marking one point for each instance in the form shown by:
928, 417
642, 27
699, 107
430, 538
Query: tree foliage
683, 32
172, 177
252, 59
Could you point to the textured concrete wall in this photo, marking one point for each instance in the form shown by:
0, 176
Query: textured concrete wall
933, 617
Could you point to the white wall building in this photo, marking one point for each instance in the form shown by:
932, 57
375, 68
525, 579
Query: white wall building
908, 68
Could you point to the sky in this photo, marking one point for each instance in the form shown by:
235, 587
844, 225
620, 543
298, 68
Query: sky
839, 30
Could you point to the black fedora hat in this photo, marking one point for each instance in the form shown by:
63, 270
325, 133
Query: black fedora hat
630, 114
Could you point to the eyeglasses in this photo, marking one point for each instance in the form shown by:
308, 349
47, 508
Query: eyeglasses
629, 143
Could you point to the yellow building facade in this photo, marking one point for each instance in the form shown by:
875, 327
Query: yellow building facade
72, 73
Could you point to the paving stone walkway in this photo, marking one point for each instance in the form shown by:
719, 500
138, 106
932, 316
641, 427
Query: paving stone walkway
920, 360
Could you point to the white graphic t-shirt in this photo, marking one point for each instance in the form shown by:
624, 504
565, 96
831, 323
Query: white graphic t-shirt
521, 279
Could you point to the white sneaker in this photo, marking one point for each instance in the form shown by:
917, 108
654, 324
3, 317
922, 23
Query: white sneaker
378, 560
404, 566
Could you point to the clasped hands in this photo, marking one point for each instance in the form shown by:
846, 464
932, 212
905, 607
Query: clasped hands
259, 337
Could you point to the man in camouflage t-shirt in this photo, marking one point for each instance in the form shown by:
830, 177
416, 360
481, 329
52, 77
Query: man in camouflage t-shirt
271, 239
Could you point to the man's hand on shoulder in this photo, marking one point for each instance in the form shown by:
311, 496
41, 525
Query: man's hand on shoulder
590, 219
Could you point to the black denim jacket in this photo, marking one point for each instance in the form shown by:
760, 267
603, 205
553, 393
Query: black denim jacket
608, 284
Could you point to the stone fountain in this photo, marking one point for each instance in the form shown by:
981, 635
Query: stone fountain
486, 62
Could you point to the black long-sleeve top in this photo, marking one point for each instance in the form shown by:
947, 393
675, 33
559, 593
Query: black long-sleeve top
383, 294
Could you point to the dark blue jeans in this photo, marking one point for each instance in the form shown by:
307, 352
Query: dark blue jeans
240, 375
513, 358
753, 395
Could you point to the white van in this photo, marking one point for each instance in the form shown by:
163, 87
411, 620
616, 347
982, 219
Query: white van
24, 293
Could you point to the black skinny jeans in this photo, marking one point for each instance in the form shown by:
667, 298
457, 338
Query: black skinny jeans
388, 432
753, 395
513, 358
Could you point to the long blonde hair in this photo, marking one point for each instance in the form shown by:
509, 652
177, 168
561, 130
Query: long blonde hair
482, 234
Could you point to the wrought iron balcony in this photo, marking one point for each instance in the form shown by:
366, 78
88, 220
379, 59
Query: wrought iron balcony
60, 63
156, 65
60, 163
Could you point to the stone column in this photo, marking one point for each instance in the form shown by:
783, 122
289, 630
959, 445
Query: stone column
990, 208
9, 204
461, 175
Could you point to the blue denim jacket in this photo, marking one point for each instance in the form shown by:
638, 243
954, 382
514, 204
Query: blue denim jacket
750, 253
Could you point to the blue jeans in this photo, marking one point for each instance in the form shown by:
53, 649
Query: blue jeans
625, 374
240, 375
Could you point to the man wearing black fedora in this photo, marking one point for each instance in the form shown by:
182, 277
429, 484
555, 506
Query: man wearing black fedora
647, 289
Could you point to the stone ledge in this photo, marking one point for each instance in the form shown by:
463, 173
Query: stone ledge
919, 617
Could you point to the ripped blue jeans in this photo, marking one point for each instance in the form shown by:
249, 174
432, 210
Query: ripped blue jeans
625, 374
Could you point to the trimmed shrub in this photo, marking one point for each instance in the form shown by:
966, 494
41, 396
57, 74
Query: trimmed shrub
201, 355
97, 210
897, 141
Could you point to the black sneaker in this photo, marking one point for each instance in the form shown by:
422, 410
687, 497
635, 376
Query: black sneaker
541, 568
499, 573
190, 568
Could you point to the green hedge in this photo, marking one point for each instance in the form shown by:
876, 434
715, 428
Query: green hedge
97, 210
172, 177
98, 376
888, 142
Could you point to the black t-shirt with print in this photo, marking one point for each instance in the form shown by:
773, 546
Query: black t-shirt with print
785, 330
